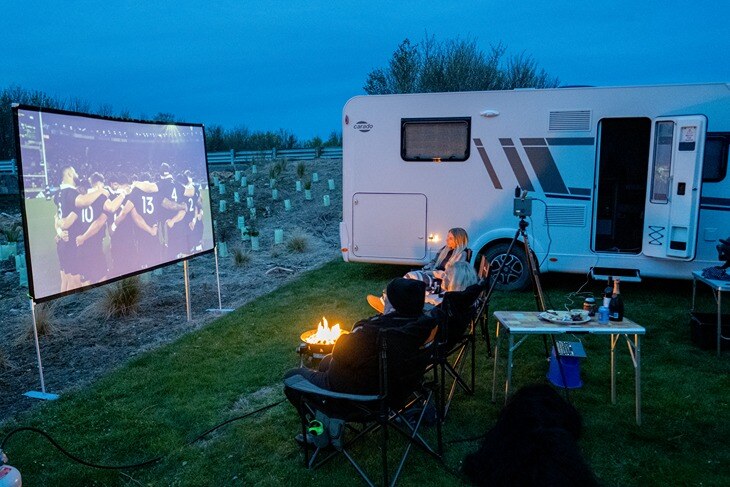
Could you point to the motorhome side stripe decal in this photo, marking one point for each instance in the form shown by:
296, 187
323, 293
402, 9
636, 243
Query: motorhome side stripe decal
516, 163
720, 204
487, 164
571, 141
544, 165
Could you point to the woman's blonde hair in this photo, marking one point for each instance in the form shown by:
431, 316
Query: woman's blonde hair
461, 239
459, 276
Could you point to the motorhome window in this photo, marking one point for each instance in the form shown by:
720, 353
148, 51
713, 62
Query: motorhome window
714, 165
440, 140
660, 179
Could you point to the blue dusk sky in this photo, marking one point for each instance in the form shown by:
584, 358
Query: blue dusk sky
293, 64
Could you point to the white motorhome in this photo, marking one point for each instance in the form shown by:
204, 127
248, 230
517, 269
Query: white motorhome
627, 181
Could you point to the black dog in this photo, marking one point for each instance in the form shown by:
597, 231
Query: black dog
533, 443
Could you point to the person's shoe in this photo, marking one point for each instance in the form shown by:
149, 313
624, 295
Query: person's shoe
309, 443
376, 303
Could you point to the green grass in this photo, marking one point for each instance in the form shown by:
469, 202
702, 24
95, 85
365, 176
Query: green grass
158, 402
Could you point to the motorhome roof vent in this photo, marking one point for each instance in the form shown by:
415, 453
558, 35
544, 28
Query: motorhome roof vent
570, 120
565, 216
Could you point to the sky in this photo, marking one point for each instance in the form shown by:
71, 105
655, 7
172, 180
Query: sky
293, 64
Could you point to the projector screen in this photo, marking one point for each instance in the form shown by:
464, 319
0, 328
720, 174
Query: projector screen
104, 199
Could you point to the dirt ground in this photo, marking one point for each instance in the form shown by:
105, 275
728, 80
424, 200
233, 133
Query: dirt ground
82, 344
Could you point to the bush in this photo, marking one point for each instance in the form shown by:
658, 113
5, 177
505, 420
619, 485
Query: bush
241, 257
4, 361
45, 321
123, 298
298, 243
301, 169
12, 234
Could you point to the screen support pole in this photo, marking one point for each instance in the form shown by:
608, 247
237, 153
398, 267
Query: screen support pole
42, 394
220, 308
187, 289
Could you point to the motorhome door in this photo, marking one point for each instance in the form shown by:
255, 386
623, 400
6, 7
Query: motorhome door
389, 226
673, 192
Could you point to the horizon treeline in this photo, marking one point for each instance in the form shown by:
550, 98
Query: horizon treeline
217, 137
431, 66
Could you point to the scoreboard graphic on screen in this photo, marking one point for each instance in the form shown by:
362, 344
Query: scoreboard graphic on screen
104, 198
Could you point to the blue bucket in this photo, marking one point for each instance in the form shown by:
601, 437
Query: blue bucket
571, 370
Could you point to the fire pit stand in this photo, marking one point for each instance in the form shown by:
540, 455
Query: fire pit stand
311, 354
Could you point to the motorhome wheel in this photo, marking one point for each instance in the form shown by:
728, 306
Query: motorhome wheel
515, 276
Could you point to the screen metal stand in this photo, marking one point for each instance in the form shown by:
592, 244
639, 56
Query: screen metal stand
220, 308
187, 289
42, 394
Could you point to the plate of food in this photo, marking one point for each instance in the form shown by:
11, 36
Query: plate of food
572, 317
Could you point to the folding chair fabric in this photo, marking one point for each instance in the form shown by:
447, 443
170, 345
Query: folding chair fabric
402, 361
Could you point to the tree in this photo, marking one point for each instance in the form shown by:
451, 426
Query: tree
402, 73
454, 65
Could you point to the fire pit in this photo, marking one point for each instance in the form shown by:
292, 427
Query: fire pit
318, 343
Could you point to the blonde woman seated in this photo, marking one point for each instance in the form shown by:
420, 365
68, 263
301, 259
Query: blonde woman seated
455, 250
457, 277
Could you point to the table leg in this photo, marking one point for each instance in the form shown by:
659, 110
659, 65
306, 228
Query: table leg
507, 383
719, 320
498, 339
614, 339
637, 371
694, 291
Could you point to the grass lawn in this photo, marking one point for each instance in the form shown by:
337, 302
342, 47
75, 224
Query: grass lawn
157, 403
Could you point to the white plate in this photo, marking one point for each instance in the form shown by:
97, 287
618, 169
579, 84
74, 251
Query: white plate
564, 317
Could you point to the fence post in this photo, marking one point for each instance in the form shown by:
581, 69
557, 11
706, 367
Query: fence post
273, 152
233, 157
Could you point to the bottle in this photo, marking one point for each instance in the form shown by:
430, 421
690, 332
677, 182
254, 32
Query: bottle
616, 304
608, 291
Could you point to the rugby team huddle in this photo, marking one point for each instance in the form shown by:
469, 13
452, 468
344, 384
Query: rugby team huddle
148, 221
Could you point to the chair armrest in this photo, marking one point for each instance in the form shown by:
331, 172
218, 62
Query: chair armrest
299, 383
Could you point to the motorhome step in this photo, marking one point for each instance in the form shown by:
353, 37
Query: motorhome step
627, 275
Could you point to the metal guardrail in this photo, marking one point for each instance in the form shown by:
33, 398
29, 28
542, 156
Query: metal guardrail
8, 167
236, 157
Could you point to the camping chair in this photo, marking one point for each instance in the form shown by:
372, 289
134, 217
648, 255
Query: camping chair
402, 389
456, 337
482, 314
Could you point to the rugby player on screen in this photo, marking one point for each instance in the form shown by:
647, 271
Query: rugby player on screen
94, 222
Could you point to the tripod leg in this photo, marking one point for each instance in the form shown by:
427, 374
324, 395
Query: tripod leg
536, 285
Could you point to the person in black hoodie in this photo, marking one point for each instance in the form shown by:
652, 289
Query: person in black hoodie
352, 367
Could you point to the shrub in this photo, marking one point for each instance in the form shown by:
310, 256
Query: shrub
4, 361
123, 298
301, 168
298, 243
308, 184
241, 257
12, 234
45, 322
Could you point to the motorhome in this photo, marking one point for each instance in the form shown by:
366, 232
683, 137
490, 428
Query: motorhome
625, 181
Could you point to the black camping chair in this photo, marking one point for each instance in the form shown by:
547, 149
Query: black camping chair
402, 364
456, 337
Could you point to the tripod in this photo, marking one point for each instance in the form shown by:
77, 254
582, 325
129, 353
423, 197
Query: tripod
534, 271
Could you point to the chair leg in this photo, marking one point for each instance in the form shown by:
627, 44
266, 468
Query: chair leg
384, 449
473, 341
302, 419
439, 412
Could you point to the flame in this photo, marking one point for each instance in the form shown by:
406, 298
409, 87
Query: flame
325, 335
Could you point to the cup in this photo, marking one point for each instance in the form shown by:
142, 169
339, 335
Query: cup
603, 315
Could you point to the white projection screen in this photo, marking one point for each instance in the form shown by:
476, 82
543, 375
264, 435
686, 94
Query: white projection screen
104, 199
